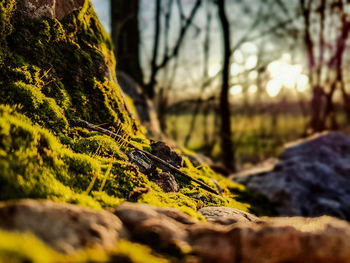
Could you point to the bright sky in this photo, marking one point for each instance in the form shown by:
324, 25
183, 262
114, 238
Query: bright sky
282, 72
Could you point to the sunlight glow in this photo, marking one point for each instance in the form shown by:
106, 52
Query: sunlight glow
253, 75
251, 62
253, 89
214, 69
236, 89
236, 69
249, 47
273, 88
285, 75
238, 56
302, 83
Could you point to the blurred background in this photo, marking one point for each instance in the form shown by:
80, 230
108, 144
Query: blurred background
236, 79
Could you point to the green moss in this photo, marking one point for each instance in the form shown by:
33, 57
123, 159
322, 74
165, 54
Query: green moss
33, 164
99, 144
132, 252
17, 248
25, 247
184, 203
62, 70
52, 72
59, 70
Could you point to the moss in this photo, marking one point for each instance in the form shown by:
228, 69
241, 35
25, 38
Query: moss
184, 203
25, 247
17, 248
62, 70
101, 145
51, 72
33, 164
133, 252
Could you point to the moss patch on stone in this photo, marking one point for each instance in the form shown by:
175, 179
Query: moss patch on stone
25, 247
18, 248
52, 72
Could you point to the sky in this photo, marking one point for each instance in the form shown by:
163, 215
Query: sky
102, 9
282, 71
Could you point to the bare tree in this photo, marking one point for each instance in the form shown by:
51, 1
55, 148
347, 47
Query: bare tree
325, 72
157, 62
225, 114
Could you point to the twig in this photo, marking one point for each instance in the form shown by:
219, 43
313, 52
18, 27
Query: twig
90, 126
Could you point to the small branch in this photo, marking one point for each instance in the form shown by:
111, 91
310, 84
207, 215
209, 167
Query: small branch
87, 125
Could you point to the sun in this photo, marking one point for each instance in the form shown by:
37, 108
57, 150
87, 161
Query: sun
285, 75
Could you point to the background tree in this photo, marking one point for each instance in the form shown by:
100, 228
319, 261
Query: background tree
126, 37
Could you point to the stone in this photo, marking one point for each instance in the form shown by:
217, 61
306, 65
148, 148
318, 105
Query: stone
321, 240
166, 182
64, 227
226, 215
68, 228
49, 8
164, 152
310, 179
162, 229
250, 240
176, 215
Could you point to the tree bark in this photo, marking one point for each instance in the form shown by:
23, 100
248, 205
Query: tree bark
126, 37
228, 156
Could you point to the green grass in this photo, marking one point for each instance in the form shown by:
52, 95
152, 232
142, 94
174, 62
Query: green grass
256, 137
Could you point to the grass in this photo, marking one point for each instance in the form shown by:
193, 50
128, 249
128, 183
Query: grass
257, 137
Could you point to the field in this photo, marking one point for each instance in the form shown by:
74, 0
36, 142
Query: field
256, 137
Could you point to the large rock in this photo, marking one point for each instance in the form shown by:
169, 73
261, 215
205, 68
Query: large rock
252, 240
163, 229
50, 8
226, 215
312, 178
68, 228
64, 227
278, 240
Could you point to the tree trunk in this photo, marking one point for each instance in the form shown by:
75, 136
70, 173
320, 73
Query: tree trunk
126, 37
225, 115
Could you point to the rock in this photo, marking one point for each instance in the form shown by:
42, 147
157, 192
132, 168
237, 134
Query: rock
68, 228
272, 240
64, 227
49, 8
311, 178
162, 229
276, 240
176, 215
166, 182
143, 105
164, 152
226, 215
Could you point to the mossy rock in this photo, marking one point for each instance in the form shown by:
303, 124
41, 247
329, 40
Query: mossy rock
24, 247
53, 71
